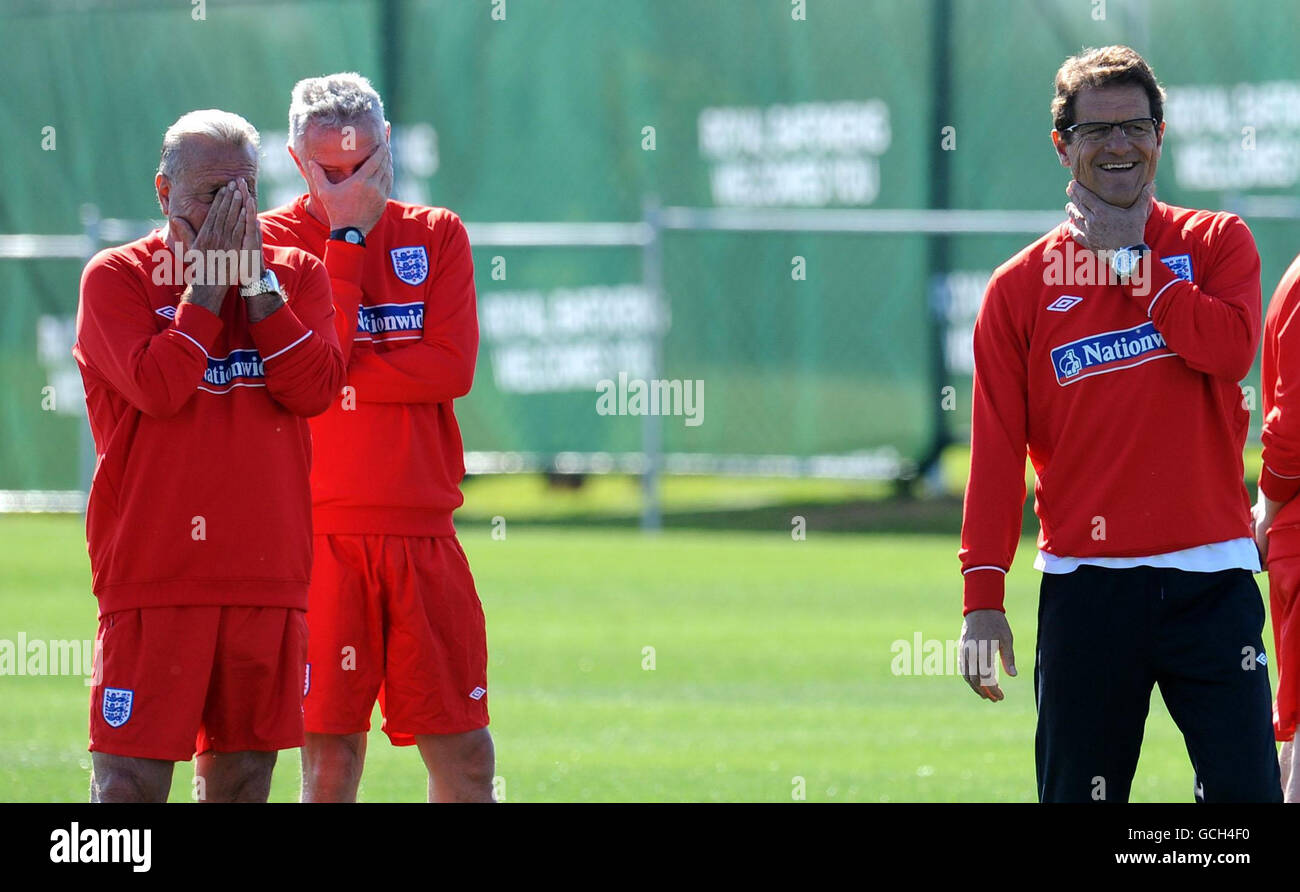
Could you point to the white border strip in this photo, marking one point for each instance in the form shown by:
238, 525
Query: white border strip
1157, 297
45, 501
286, 349
881, 465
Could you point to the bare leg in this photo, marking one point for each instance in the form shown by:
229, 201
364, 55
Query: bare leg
128, 779
331, 767
460, 766
1290, 777
234, 777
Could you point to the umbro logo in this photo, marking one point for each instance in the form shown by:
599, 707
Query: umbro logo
1063, 303
477, 693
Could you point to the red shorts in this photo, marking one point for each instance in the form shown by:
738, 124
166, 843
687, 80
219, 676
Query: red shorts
176, 681
394, 618
1283, 598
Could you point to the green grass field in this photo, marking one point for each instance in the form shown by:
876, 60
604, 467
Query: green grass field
772, 663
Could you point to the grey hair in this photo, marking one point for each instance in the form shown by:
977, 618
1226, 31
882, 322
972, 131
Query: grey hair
221, 125
333, 101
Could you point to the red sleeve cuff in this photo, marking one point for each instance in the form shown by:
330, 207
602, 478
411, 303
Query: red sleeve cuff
278, 334
1277, 488
198, 324
984, 589
345, 261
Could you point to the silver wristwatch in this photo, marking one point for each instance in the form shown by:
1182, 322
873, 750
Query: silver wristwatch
264, 285
1124, 261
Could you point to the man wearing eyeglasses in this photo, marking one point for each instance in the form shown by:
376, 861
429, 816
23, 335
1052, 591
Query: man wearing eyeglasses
1110, 352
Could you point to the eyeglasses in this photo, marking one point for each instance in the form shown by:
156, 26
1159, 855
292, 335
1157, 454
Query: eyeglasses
1097, 131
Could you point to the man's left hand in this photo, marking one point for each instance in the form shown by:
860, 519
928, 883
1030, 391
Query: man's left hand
1104, 227
1262, 515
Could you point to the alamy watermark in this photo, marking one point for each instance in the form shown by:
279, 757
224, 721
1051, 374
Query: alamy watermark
91, 845
211, 267
932, 656
637, 396
38, 656
1074, 266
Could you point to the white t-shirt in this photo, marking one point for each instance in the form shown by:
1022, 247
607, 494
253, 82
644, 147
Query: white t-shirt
1233, 554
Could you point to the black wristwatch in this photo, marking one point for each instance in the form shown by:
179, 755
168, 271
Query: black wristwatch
349, 234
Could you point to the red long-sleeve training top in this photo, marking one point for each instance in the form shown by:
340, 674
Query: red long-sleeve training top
1280, 388
389, 456
1128, 404
201, 487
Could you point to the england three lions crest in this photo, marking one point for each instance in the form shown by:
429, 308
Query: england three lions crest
116, 707
1180, 265
411, 264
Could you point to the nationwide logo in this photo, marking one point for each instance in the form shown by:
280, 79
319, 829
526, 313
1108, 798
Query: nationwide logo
1064, 302
240, 368
392, 322
1180, 265
410, 263
1109, 351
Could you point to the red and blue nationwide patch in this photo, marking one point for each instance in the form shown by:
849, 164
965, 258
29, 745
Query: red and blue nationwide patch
240, 368
391, 322
1108, 351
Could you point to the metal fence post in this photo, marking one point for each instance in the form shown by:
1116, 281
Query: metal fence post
652, 424
86, 472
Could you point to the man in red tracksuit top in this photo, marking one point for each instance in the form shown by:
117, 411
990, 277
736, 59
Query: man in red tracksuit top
199, 376
394, 612
1277, 513
1125, 396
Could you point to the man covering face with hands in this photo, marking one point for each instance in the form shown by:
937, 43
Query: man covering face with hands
395, 616
202, 353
